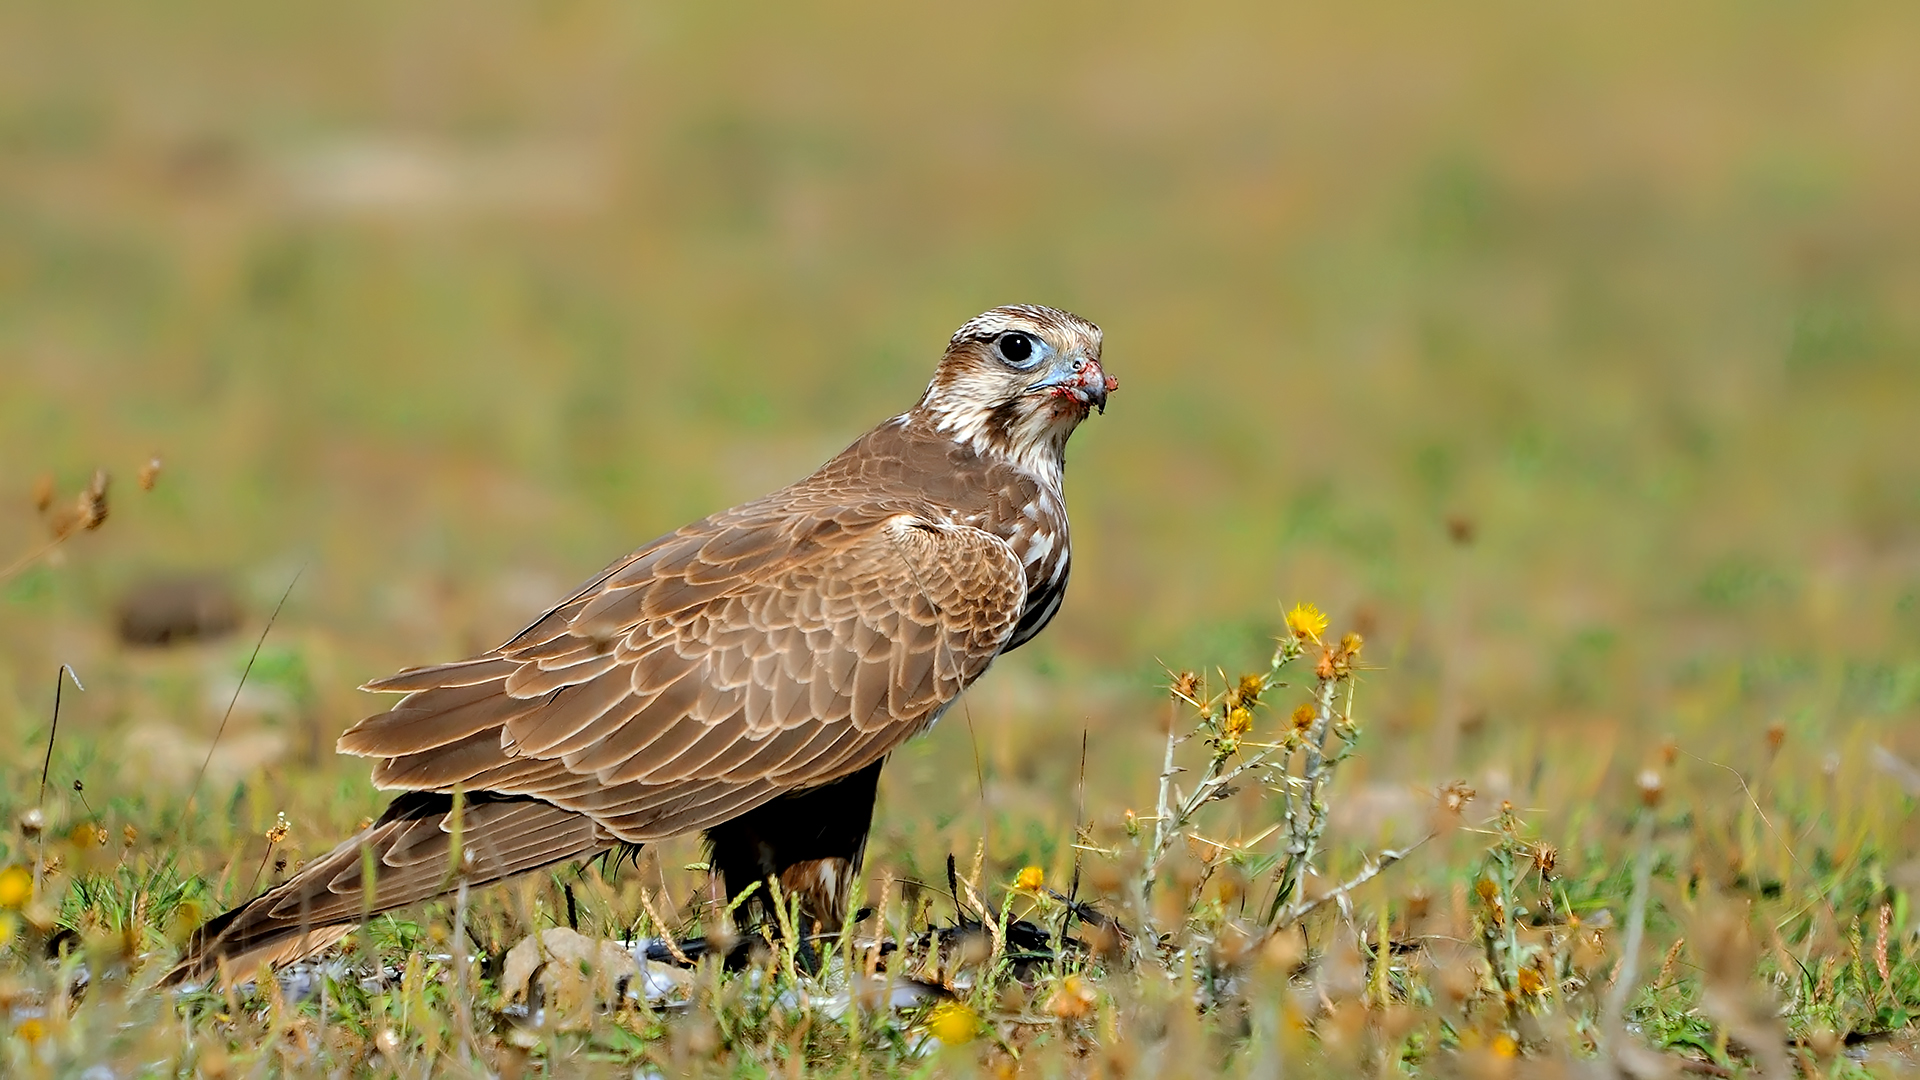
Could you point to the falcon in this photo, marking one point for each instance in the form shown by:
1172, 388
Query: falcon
745, 676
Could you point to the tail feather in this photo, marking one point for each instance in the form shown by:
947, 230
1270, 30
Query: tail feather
412, 851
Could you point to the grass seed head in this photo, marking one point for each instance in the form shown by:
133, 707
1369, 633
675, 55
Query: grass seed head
92, 504
1665, 976
149, 473
1880, 945
42, 492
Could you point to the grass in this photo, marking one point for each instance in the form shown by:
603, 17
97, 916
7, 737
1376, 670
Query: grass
1568, 356
1193, 943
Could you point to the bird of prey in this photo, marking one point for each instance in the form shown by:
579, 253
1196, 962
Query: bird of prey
744, 676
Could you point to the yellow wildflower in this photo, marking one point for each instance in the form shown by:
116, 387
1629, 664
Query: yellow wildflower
1489, 894
953, 1023
1030, 879
1530, 982
16, 886
1306, 621
1304, 716
1239, 722
1073, 1000
1246, 692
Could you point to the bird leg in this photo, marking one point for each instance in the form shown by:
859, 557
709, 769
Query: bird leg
810, 841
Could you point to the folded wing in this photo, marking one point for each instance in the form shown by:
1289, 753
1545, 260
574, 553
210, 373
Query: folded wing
749, 655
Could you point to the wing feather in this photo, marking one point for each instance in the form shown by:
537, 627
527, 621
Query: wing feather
566, 712
432, 718
570, 669
755, 653
463, 673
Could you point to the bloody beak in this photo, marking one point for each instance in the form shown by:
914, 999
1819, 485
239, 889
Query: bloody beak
1084, 382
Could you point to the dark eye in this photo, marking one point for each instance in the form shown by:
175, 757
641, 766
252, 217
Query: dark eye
1016, 347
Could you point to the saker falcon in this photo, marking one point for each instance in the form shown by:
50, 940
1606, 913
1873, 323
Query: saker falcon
744, 676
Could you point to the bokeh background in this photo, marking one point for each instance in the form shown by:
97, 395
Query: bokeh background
1570, 352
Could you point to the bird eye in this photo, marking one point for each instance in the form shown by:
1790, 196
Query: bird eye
1016, 347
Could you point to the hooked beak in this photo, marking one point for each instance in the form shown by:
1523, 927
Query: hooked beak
1082, 381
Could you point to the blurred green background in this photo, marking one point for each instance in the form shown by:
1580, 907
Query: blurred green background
1572, 352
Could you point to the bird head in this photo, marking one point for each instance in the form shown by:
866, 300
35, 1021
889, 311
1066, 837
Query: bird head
1016, 381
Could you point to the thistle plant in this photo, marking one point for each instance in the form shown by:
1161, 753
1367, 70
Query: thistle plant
1294, 769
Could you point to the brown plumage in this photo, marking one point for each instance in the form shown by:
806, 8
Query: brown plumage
745, 675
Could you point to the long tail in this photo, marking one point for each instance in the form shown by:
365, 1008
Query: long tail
411, 849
